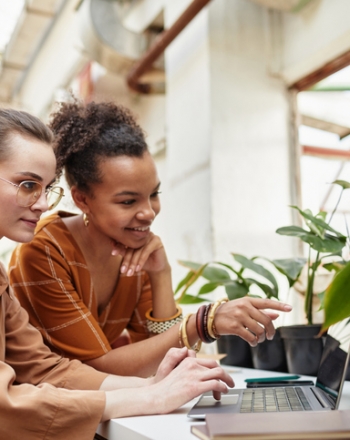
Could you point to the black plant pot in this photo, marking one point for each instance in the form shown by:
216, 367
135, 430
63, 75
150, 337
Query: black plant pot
303, 348
237, 350
270, 355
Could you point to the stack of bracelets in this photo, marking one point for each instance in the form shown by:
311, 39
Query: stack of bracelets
204, 324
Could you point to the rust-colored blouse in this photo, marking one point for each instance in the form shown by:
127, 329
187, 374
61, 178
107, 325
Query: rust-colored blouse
37, 387
51, 280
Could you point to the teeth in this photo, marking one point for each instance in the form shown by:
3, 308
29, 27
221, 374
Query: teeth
141, 229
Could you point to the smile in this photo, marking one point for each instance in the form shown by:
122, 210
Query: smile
144, 229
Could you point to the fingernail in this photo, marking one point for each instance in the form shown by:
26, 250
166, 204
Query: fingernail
287, 307
138, 268
114, 252
123, 269
130, 272
270, 337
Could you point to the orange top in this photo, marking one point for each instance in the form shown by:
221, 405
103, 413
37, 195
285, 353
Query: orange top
50, 278
34, 404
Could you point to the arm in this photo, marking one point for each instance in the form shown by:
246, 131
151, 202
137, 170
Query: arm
180, 378
151, 258
234, 317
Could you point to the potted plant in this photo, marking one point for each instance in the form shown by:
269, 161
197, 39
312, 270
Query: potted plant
244, 277
303, 348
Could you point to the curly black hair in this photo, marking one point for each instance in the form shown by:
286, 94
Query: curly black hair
87, 133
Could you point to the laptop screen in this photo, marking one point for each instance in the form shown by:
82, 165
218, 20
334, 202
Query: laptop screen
333, 365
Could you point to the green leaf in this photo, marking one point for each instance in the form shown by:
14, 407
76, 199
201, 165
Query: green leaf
184, 281
268, 290
326, 244
343, 183
209, 287
190, 264
334, 265
290, 267
235, 290
257, 268
191, 299
292, 231
317, 221
215, 274
337, 298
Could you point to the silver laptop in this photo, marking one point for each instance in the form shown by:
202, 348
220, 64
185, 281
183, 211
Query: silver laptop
323, 396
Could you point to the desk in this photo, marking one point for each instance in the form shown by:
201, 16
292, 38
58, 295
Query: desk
176, 426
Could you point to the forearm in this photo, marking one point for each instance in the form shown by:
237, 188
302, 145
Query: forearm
164, 304
127, 403
143, 358
114, 382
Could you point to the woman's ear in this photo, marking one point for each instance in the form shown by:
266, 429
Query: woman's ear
79, 198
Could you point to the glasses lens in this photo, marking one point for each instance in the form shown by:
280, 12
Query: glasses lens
54, 196
28, 193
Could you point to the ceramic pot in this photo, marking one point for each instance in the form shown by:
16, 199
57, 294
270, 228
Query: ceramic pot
270, 355
303, 348
237, 350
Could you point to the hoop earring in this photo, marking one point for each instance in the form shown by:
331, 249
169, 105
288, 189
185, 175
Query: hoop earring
85, 219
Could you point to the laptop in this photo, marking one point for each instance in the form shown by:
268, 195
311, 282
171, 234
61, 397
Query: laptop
323, 396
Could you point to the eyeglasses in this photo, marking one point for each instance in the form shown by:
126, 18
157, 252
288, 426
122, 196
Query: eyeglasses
29, 191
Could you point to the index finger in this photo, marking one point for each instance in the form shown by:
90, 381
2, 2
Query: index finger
261, 303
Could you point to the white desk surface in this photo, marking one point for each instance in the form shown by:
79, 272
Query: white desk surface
176, 426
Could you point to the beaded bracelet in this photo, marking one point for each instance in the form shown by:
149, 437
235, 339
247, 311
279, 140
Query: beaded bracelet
160, 325
201, 324
184, 338
211, 325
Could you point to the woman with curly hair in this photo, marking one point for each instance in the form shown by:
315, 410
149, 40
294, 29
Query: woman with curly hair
44, 395
86, 278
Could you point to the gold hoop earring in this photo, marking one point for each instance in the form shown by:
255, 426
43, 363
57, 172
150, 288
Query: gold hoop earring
85, 219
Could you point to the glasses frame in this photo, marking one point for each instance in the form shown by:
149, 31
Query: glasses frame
47, 192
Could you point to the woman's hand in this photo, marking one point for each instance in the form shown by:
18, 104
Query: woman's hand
183, 377
248, 318
151, 257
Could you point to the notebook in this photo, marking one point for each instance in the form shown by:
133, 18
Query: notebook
316, 425
323, 396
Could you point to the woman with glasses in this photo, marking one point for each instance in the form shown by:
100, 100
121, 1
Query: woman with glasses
86, 278
44, 395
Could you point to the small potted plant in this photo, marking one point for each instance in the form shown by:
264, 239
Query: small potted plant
303, 348
244, 277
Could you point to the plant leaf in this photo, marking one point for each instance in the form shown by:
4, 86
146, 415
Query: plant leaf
317, 221
290, 267
215, 274
293, 231
337, 298
209, 287
257, 268
184, 280
191, 299
335, 265
235, 290
343, 183
268, 290
190, 264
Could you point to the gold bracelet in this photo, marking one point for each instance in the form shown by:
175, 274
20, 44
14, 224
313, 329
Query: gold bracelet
211, 327
184, 337
150, 317
157, 326
181, 343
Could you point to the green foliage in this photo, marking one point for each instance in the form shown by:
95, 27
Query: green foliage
322, 238
236, 279
336, 300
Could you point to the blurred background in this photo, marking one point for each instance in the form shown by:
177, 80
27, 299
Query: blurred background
245, 103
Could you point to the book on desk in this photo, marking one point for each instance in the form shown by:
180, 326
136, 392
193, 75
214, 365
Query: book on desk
315, 425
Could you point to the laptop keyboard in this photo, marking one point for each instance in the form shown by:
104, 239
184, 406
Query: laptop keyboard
274, 399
